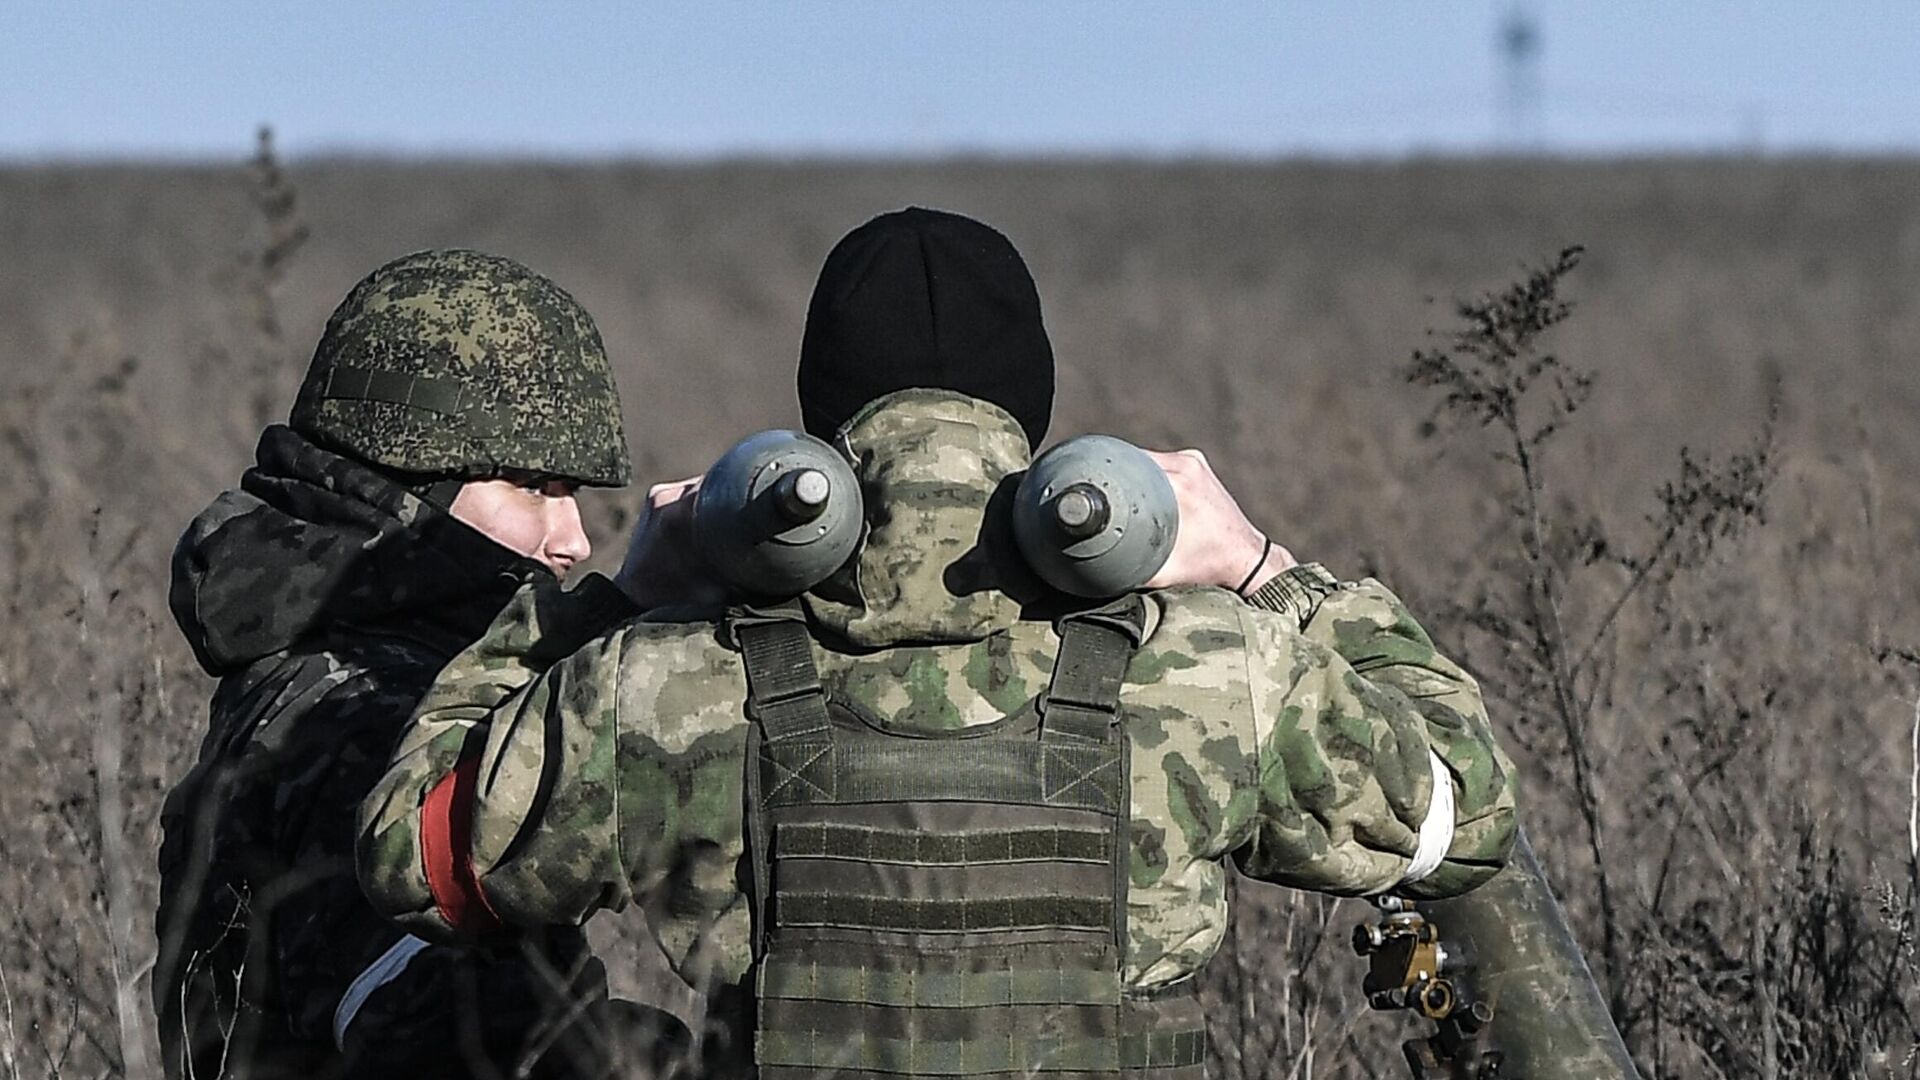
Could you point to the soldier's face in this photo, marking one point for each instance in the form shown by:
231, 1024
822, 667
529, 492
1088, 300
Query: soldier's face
538, 519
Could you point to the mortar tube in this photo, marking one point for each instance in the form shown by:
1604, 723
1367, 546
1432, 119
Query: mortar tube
1550, 1021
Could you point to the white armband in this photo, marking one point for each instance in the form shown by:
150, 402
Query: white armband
1436, 831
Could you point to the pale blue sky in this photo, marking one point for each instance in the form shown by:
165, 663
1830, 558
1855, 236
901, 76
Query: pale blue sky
711, 77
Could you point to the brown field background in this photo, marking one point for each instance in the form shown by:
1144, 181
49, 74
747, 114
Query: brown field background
1751, 718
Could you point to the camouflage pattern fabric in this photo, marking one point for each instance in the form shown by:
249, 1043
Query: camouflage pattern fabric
461, 364
1290, 734
325, 597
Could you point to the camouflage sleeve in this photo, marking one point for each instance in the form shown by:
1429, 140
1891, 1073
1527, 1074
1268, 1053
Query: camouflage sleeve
489, 735
615, 775
682, 747
1367, 717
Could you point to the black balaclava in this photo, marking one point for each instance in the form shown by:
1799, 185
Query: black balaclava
924, 298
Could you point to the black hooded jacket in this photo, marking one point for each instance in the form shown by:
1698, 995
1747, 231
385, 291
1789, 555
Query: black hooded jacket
325, 596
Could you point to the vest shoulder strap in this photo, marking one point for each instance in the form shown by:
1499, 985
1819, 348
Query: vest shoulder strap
1082, 701
784, 694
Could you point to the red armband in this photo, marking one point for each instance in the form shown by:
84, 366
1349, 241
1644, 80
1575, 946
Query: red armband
446, 851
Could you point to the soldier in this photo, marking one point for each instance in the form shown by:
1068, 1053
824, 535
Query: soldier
928, 818
455, 402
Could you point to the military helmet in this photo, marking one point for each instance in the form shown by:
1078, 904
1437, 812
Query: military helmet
466, 365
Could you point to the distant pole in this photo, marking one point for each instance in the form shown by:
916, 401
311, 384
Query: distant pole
1520, 44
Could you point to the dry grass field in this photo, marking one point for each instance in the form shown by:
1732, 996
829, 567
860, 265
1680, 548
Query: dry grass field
1717, 770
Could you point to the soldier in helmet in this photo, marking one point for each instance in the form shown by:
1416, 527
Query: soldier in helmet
928, 818
455, 402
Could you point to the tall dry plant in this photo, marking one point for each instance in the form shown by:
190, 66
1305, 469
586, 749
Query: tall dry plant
245, 350
100, 483
1495, 373
1750, 946
1282, 994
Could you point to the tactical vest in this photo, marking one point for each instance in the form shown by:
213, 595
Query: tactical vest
949, 903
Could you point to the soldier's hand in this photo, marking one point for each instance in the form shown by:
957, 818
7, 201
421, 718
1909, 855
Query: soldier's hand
664, 567
1217, 545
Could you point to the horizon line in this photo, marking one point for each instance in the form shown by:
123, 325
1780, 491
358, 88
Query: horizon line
955, 156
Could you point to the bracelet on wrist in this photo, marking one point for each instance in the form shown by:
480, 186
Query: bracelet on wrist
1240, 590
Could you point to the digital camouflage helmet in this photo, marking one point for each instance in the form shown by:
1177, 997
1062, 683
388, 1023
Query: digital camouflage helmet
465, 365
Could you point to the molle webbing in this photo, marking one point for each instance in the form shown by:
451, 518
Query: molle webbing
829, 840
970, 914
948, 904
1005, 895
1022, 1049
1040, 976
813, 771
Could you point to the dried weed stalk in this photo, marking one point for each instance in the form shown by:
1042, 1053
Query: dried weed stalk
1751, 947
84, 695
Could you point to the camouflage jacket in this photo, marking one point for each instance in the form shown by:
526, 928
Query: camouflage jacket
324, 597
1299, 735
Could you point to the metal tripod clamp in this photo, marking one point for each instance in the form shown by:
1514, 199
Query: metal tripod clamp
1409, 967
